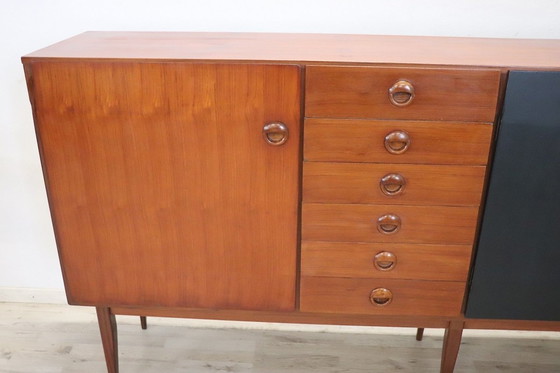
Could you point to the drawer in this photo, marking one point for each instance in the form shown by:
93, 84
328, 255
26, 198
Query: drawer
392, 183
359, 223
352, 295
342, 140
425, 93
384, 261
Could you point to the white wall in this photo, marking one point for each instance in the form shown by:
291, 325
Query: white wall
27, 251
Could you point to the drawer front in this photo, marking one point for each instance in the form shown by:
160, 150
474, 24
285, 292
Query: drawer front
438, 94
392, 183
342, 140
352, 295
359, 223
383, 261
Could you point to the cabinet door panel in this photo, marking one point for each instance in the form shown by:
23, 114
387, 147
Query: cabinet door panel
162, 189
517, 275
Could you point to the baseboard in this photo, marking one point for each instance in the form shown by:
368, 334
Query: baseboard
58, 297
32, 295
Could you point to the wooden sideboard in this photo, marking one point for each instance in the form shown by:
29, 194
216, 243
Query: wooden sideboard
333, 179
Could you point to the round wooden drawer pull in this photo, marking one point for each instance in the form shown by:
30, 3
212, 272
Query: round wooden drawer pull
385, 261
275, 133
388, 224
401, 93
397, 142
392, 184
381, 296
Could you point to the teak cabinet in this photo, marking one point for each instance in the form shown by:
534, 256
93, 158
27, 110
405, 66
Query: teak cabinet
336, 179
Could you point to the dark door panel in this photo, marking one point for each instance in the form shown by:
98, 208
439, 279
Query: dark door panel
517, 268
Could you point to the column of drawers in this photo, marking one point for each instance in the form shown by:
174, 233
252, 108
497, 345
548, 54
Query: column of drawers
394, 166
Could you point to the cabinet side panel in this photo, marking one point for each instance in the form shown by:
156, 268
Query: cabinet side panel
162, 187
516, 274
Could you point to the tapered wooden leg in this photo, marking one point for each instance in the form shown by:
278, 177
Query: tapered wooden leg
451, 343
108, 328
143, 322
419, 334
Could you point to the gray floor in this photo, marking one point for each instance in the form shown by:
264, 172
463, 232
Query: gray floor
64, 339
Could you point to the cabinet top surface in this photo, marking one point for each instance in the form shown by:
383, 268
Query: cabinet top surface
246, 47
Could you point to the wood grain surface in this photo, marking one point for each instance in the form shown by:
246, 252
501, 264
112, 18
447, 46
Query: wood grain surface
162, 189
440, 94
413, 261
344, 140
517, 53
351, 295
424, 184
358, 223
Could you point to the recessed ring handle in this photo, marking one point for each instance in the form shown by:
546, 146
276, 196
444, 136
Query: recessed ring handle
401, 93
388, 224
381, 296
392, 184
275, 133
385, 261
397, 142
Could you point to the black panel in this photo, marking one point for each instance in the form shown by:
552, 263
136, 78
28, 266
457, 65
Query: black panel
517, 267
